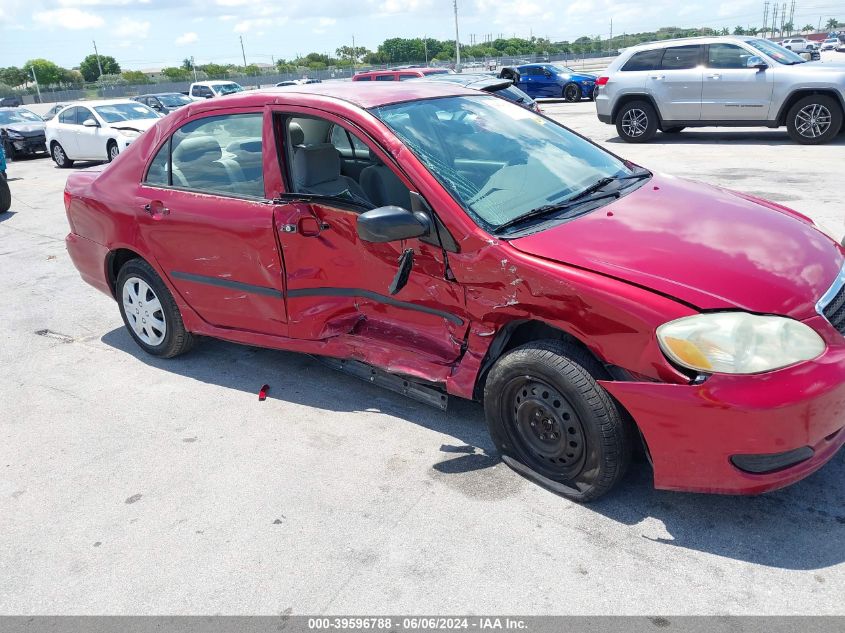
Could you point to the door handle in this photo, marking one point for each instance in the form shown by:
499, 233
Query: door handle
156, 208
657, 77
715, 76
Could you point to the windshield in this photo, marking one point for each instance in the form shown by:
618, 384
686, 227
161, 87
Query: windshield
175, 100
227, 89
498, 160
18, 116
125, 112
777, 52
563, 69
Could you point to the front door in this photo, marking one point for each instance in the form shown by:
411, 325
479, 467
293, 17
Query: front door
207, 222
337, 284
676, 85
732, 91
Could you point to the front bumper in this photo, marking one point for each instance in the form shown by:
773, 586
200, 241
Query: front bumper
29, 144
694, 431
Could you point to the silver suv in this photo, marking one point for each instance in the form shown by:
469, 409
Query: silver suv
720, 81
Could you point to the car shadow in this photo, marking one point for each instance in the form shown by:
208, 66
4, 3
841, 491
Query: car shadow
799, 528
701, 136
7, 215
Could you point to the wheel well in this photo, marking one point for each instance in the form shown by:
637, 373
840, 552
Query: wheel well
115, 261
517, 333
800, 94
628, 99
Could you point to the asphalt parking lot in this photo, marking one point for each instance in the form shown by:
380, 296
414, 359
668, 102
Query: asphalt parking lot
132, 485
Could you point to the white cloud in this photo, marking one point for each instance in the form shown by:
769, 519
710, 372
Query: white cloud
68, 18
132, 29
186, 38
246, 25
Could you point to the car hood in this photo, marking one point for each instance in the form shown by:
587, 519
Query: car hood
28, 128
708, 247
582, 77
142, 125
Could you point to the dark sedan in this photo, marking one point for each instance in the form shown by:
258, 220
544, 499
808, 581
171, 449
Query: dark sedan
164, 102
21, 132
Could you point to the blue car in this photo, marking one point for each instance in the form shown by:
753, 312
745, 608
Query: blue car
551, 81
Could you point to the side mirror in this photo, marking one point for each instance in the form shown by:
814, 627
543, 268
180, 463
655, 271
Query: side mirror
390, 224
89, 122
756, 62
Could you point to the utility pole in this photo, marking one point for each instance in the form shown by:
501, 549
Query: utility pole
194, 68
765, 18
37, 87
792, 15
610, 44
425, 47
97, 53
457, 39
242, 50
354, 54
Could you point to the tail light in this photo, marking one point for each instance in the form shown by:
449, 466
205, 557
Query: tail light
602, 81
67, 200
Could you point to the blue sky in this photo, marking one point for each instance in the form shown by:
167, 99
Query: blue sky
154, 33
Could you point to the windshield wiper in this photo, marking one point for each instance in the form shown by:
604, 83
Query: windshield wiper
547, 209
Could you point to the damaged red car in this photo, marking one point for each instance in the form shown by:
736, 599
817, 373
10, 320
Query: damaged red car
444, 242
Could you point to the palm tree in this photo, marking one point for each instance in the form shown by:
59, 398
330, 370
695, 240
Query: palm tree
752, 30
738, 30
787, 28
832, 23
808, 28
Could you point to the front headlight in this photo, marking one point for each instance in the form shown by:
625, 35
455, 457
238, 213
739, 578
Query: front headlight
738, 342
132, 134
15, 135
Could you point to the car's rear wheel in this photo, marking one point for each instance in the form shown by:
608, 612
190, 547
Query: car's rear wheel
673, 130
814, 120
552, 421
150, 312
59, 156
571, 92
5, 196
636, 122
112, 150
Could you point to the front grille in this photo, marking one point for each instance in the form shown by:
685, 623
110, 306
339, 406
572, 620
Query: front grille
832, 305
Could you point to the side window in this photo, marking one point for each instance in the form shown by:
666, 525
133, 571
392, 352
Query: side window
82, 114
196, 91
406, 76
644, 60
218, 154
681, 57
727, 56
68, 116
364, 78
385, 78
535, 72
340, 139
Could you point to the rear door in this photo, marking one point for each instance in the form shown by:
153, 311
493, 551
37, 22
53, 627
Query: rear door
66, 128
676, 86
731, 90
91, 141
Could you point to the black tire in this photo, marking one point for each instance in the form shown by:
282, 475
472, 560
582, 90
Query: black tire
111, 151
645, 117
59, 156
9, 151
176, 340
809, 115
673, 130
553, 423
5, 196
571, 92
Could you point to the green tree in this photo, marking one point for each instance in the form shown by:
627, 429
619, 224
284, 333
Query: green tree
187, 64
48, 73
215, 71
176, 74
91, 70
739, 30
135, 77
832, 24
14, 76
788, 27
752, 30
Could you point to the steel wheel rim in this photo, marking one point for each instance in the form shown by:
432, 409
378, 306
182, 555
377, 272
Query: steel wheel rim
634, 122
813, 120
113, 152
544, 428
570, 92
59, 154
143, 310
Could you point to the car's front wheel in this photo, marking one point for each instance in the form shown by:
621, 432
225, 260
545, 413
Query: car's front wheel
150, 312
59, 156
112, 150
636, 122
572, 92
552, 421
814, 120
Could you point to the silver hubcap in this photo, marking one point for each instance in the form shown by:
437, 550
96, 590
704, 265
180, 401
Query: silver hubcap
812, 121
143, 311
634, 122
58, 154
113, 152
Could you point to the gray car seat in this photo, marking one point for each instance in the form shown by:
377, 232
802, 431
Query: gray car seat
197, 165
316, 169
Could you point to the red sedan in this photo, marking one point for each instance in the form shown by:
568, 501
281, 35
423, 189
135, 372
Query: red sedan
441, 241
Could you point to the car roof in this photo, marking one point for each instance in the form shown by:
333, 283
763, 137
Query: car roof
363, 94
401, 69
680, 41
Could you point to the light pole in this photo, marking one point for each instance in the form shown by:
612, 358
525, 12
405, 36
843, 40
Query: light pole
457, 39
35, 79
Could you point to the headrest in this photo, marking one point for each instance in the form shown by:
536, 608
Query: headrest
316, 164
196, 147
250, 147
297, 134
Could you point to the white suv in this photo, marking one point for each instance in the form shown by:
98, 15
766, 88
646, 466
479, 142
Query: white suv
720, 81
798, 45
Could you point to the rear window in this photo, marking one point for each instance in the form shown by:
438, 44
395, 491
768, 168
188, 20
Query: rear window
681, 58
644, 60
363, 78
406, 76
384, 78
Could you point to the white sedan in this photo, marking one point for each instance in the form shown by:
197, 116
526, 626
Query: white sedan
97, 130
